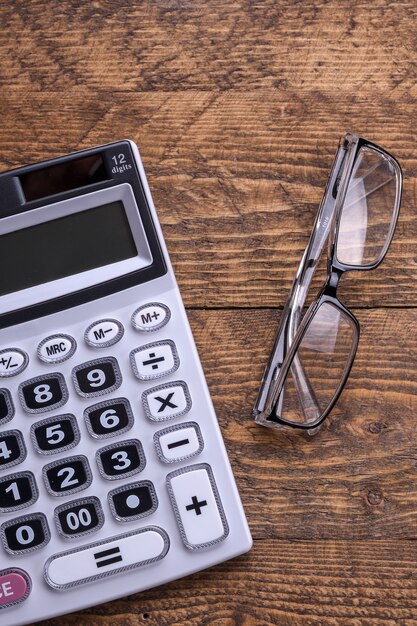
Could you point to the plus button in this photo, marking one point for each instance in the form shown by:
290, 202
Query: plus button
196, 505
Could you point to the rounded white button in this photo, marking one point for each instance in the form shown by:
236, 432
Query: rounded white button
104, 333
56, 348
151, 316
12, 362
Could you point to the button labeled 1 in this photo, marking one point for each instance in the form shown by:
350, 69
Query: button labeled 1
197, 505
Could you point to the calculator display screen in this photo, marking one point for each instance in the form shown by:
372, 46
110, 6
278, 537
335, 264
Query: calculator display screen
65, 246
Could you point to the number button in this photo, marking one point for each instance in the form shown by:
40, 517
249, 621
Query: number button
25, 534
97, 377
12, 449
67, 476
17, 491
6, 406
43, 393
55, 434
110, 418
120, 460
79, 517
133, 501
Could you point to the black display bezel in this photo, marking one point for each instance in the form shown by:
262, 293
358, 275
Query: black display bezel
13, 203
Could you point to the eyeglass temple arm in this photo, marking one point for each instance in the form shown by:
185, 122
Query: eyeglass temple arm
291, 316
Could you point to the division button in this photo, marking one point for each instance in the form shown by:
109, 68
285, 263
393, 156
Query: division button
12, 362
56, 348
106, 558
133, 501
154, 360
15, 587
103, 333
179, 442
151, 316
166, 401
197, 506
25, 534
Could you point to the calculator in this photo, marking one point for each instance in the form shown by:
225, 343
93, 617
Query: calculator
114, 477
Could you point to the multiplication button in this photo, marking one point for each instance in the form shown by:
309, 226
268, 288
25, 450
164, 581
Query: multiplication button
166, 401
105, 558
197, 506
154, 360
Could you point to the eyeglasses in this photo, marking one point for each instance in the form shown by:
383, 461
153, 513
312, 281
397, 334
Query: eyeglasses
313, 355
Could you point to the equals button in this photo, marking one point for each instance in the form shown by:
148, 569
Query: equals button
108, 557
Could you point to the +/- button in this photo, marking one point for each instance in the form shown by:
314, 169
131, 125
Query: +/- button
15, 587
56, 348
12, 362
103, 333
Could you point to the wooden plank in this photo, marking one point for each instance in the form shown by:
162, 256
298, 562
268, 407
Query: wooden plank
173, 46
356, 478
236, 178
314, 583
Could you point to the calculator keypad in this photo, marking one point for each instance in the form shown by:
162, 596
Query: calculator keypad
97, 377
120, 460
25, 534
12, 449
55, 434
43, 393
6, 406
17, 491
133, 501
67, 476
109, 418
79, 517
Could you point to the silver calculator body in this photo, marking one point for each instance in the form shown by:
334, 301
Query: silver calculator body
113, 473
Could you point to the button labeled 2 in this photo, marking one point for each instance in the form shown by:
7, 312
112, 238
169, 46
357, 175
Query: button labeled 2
67, 476
97, 377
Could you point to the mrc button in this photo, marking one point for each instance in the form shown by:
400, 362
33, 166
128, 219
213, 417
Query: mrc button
56, 348
15, 586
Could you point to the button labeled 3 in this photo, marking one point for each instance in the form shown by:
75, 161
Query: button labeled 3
151, 316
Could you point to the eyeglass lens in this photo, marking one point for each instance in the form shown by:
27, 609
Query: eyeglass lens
319, 365
368, 210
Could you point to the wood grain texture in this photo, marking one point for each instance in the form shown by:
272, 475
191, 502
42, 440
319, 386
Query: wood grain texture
237, 107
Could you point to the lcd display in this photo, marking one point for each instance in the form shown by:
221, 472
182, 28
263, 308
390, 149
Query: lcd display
65, 246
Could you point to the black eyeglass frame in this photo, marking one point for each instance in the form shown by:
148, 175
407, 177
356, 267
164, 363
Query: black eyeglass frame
291, 331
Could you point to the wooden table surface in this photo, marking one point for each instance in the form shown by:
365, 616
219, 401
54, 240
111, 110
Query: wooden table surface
237, 107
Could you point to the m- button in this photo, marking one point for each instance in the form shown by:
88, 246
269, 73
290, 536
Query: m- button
15, 586
56, 348
103, 333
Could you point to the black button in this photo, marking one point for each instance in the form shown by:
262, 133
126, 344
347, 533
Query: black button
12, 448
107, 418
79, 517
25, 533
133, 501
55, 434
121, 459
67, 475
43, 393
17, 491
95, 377
6, 406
